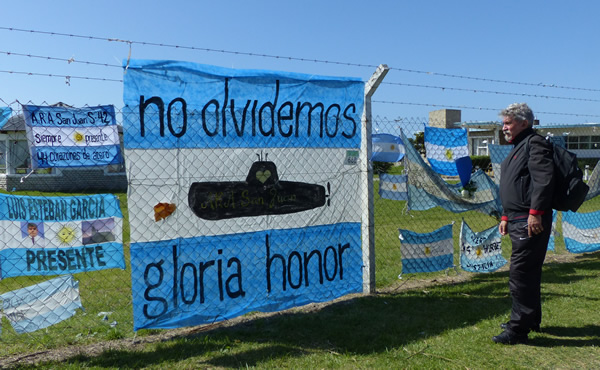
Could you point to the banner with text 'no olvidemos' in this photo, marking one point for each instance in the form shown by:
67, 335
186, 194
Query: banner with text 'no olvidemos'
243, 190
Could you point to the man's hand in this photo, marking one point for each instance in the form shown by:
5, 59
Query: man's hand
534, 225
502, 227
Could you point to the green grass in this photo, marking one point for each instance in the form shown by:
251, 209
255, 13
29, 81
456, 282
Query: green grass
446, 326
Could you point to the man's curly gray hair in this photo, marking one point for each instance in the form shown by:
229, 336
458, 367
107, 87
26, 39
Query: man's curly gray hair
519, 112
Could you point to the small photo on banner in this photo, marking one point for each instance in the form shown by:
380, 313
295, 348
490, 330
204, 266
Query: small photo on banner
393, 187
480, 251
427, 252
387, 148
60, 136
42, 305
443, 146
581, 231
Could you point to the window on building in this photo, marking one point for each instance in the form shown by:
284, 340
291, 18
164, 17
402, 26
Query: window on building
583, 142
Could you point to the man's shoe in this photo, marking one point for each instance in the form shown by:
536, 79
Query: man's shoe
535, 328
507, 337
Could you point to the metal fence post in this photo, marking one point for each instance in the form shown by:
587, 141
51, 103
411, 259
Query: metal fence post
366, 179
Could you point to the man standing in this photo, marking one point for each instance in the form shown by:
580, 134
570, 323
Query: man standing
526, 188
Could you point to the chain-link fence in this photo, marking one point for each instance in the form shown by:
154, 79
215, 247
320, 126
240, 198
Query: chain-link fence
141, 200
443, 199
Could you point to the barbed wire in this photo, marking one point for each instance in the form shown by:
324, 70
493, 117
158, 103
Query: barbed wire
70, 60
73, 60
68, 77
489, 91
145, 43
478, 108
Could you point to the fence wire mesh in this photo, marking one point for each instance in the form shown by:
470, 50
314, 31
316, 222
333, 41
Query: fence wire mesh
105, 311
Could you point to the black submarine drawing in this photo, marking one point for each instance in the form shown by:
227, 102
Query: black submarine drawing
263, 193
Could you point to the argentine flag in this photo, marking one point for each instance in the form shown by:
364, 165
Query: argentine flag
480, 251
39, 306
387, 148
393, 187
427, 252
443, 147
581, 231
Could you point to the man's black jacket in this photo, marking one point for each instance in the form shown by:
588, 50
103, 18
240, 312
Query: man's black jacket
526, 181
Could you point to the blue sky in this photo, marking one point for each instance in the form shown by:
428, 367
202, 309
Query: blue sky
442, 54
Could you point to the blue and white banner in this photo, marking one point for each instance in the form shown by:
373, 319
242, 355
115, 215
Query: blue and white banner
393, 187
387, 148
444, 146
554, 231
427, 252
480, 251
4, 115
42, 305
426, 189
242, 190
60, 136
497, 154
60, 235
581, 231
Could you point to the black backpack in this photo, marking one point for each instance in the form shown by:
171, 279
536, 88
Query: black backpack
569, 189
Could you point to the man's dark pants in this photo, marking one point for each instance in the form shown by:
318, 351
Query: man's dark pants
525, 276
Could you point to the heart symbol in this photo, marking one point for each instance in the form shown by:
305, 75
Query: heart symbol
262, 176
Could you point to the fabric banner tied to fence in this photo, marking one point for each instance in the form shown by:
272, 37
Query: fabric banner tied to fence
426, 252
393, 187
443, 147
60, 136
480, 251
387, 148
4, 115
59, 235
426, 189
39, 306
581, 231
242, 191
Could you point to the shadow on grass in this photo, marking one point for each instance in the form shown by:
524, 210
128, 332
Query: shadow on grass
557, 336
362, 325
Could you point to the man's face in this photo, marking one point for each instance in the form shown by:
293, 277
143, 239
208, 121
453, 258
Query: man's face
32, 230
512, 127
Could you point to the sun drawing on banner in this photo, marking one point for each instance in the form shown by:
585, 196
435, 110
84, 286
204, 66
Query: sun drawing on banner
449, 153
427, 251
67, 234
478, 252
78, 137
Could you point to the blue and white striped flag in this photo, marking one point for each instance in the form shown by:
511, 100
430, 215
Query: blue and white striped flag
387, 148
426, 189
4, 115
443, 146
42, 305
497, 154
554, 231
581, 231
480, 251
392, 187
427, 252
